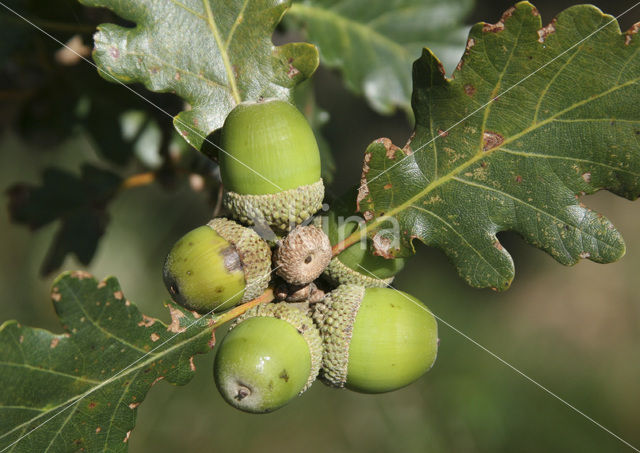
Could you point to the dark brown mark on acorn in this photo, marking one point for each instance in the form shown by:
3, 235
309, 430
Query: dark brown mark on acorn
284, 376
491, 140
242, 393
546, 31
231, 259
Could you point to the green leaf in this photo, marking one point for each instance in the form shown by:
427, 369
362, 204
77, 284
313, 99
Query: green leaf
212, 54
485, 160
79, 391
78, 202
374, 43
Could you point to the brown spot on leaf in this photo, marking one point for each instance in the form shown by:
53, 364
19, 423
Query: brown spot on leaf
177, 77
176, 316
586, 176
92, 404
518, 179
635, 28
55, 295
546, 31
498, 26
368, 215
363, 190
470, 43
132, 406
98, 429
114, 52
102, 284
156, 380
293, 71
382, 246
212, 341
491, 140
126, 437
118, 295
497, 245
146, 321
21, 339
469, 89
442, 133
585, 255
387, 186
154, 337
192, 365
80, 275
54, 342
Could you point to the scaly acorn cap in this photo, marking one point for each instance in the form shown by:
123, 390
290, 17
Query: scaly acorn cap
282, 210
336, 316
254, 254
302, 255
300, 321
375, 339
340, 274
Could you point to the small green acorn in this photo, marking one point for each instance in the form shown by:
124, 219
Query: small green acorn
216, 266
375, 340
270, 166
271, 354
356, 265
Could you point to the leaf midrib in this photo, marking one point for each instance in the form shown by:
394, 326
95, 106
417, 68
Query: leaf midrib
486, 154
223, 52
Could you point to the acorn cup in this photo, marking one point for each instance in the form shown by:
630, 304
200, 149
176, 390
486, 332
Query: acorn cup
375, 340
270, 166
302, 255
271, 354
216, 266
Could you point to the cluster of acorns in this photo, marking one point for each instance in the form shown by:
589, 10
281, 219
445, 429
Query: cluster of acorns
359, 334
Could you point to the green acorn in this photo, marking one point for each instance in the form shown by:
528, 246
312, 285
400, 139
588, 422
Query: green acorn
375, 339
216, 266
356, 265
270, 165
271, 354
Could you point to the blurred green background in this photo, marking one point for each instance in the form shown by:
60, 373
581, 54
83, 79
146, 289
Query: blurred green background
574, 330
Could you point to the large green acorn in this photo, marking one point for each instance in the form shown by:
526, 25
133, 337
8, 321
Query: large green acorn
270, 165
216, 266
271, 354
375, 339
